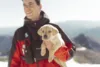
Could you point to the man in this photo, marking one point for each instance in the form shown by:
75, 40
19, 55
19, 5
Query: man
25, 50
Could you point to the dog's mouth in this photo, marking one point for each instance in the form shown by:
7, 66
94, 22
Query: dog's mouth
45, 37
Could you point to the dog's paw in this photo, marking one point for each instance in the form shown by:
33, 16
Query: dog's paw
43, 53
50, 59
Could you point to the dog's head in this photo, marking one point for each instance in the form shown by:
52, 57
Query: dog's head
47, 31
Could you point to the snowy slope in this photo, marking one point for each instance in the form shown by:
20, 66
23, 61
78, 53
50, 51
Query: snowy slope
70, 63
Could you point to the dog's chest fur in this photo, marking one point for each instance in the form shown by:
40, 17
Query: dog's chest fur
57, 41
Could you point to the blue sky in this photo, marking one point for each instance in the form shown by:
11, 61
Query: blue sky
12, 14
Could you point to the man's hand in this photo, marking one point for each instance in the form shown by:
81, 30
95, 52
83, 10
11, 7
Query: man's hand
48, 44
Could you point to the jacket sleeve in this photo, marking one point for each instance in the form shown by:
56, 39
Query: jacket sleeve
65, 53
14, 57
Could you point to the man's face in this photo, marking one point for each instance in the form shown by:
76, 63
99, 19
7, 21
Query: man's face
32, 9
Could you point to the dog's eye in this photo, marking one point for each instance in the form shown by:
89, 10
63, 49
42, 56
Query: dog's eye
42, 31
49, 31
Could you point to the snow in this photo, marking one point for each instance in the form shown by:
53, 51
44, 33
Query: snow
3, 64
81, 49
70, 63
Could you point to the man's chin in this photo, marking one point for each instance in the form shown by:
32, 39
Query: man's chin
29, 17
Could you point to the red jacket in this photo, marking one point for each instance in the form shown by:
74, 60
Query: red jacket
15, 57
17, 61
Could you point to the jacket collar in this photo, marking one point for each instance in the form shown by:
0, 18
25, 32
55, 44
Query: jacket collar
43, 20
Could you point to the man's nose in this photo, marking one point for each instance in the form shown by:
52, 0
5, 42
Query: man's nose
27, 9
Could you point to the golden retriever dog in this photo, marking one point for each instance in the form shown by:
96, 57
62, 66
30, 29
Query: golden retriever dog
51, 33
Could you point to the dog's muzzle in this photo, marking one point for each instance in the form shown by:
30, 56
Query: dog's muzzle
45, 37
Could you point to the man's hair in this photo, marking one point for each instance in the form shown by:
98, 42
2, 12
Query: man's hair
37, 2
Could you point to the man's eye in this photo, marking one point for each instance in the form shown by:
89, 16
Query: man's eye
31, 4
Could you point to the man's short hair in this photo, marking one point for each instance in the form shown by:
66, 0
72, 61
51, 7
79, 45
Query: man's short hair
37, 2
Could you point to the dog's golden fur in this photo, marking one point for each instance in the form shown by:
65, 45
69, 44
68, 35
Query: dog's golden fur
51, 33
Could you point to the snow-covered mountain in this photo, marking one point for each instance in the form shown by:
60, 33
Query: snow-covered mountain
87, 42
91, 52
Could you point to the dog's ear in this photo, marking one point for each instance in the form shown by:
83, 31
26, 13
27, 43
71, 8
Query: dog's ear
55, 31
40, 32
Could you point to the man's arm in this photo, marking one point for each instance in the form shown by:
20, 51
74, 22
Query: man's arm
69, 51
14, 57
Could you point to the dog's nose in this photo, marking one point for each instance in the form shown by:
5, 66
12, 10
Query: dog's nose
45, 36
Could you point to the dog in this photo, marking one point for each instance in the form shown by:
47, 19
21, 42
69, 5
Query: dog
50, 33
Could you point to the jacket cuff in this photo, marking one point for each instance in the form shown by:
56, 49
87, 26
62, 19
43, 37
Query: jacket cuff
62, 53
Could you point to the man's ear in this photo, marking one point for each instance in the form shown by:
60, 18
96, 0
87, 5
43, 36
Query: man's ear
40, 6
40, 32
55, 31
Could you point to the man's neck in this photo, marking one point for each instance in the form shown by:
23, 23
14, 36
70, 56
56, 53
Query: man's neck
35, 19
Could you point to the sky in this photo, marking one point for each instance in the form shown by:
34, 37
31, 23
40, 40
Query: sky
12, 13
